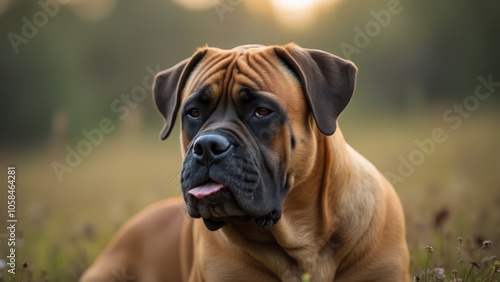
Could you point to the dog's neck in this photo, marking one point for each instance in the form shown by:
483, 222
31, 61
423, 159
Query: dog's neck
316, 200
307, 230
317, 194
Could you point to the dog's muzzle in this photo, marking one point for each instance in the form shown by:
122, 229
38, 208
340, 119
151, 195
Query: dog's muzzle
221, 182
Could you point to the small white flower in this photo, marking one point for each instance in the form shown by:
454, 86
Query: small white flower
438, 273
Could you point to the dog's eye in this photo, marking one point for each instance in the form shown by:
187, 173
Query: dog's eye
262, 112
193, 113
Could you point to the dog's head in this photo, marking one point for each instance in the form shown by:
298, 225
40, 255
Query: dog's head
249, 117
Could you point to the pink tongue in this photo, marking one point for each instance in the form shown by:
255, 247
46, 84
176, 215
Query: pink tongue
205, 189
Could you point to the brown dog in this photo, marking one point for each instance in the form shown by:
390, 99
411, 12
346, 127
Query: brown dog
279, 193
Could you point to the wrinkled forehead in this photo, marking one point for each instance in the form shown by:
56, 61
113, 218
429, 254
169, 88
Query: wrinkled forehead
228, 72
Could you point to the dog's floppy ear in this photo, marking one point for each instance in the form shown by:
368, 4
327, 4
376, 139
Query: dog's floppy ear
167, 88
327, 81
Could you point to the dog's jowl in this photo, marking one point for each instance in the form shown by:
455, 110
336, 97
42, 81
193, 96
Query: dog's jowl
271, 190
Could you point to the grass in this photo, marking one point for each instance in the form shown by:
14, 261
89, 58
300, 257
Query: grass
470, 271
454, 193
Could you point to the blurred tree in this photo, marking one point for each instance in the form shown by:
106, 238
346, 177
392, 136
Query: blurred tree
430, 52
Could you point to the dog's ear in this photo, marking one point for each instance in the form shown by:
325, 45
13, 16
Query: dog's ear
167, 88
327, 81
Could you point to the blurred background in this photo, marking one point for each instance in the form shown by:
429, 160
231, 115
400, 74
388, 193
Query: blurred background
78, 122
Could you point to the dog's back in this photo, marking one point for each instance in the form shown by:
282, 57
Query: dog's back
147, 247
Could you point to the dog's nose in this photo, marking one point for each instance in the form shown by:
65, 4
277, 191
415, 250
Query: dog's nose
210, 147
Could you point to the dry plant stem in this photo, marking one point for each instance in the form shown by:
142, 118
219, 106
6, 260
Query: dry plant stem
494, 271
454, 273
426, 264
490, 277
460, 253
466, 274
425, 269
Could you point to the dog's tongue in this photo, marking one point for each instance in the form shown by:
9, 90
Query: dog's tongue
205, 189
